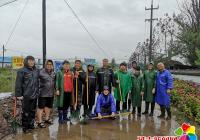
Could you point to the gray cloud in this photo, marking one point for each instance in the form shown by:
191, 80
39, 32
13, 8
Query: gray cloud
116, 24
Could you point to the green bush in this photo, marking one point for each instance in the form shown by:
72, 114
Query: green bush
7, 80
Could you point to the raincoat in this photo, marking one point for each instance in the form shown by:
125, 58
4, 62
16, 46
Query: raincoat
105, 101
125, 85
91, 78
60, 87
137, 88
164, 81
149, 84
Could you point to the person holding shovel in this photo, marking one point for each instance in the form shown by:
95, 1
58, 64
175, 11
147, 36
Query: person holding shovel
137, 91
64, 91
79, 84
89, 90
27, 90
122, 87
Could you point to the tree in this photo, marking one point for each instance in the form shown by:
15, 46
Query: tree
197, 62
113, 63
188, 22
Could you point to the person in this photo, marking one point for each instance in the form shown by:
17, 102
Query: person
164, 85
105, 103
131, 71
149, 89
26, 89
47, 90
90, 88
134, 66
64, 91
122, 86
105, 77
137, 91
79, 84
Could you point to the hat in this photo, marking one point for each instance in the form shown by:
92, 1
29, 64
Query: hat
105, 88
30, 57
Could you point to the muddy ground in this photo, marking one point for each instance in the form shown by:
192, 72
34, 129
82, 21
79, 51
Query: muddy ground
106, 129
5, 115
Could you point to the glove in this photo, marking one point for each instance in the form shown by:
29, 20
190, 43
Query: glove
113, 114
20, 98
169, 91
153, 91
99, 116
57, 93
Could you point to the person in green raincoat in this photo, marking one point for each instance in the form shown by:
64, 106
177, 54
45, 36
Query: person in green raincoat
149, 89
137, 91
122, 86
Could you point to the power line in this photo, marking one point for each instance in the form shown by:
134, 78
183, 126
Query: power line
84, 27
15, 25
7, 3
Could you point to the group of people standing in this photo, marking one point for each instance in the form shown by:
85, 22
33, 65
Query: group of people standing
70, 88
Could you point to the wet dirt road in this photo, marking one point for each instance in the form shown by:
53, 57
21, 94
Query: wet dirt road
104, 129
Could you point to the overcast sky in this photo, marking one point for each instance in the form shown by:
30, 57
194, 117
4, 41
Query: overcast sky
117, 25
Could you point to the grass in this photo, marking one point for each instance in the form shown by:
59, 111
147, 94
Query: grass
7, 80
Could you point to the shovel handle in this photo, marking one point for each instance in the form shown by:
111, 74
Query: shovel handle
14, 107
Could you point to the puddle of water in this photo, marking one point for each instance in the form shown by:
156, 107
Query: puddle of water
5, 95
195, 79
105, 129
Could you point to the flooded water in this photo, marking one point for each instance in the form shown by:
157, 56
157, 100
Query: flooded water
5, 95
195, 79
104, 129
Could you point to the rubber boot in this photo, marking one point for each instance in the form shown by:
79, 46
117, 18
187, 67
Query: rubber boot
133, 111
146, 108
168, 113
139, 111
60, 116
152, 109
162, 115
129, 104
65, 119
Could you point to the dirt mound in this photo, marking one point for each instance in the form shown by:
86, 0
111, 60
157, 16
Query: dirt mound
6, 116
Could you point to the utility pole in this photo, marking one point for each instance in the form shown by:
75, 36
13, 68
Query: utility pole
44, 30
151, 28
3, 56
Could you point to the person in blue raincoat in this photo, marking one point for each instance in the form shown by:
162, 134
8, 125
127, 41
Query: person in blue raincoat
164, 85
105, 103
